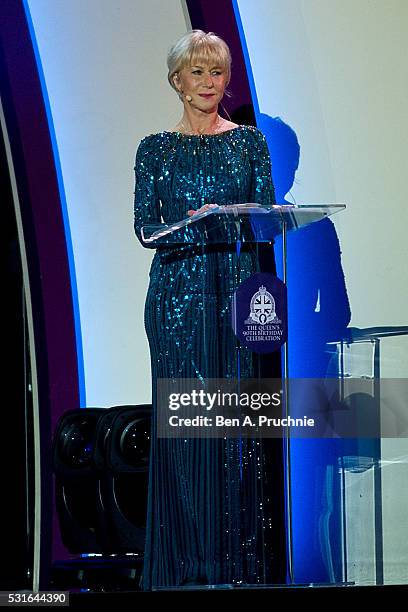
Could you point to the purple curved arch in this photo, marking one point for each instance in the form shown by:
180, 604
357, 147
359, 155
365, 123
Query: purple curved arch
41, 210
218, 16
46, 241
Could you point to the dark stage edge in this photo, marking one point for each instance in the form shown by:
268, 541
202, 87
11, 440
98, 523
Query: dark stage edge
289, 593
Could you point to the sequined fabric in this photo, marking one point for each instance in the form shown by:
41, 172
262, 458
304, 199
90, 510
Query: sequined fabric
206, 515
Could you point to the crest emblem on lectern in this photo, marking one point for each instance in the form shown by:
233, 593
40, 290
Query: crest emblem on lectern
262, 308
264, 297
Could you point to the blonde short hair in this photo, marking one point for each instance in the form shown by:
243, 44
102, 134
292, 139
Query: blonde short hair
195, 46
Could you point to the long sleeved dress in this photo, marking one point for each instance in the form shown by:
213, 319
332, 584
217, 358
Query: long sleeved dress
207, 498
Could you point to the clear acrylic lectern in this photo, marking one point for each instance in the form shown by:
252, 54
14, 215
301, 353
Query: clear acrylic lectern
230, 338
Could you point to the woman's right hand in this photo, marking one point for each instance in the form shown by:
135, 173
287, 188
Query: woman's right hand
202, 209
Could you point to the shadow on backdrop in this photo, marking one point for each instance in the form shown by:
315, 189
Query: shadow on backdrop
318, 312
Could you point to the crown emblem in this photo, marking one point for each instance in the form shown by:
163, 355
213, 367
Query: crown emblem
262, 308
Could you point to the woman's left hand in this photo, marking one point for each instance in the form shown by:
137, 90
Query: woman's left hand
202, 209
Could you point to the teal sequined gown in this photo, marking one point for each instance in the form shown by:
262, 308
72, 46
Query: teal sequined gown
206, 517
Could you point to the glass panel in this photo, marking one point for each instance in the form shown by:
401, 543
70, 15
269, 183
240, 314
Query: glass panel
374, 478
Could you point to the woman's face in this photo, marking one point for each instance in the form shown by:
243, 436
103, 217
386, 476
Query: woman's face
205, 83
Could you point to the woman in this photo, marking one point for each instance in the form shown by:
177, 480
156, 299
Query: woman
206, 519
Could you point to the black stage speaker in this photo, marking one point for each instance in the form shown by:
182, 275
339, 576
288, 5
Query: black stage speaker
122, 453
101, 462
77, 481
